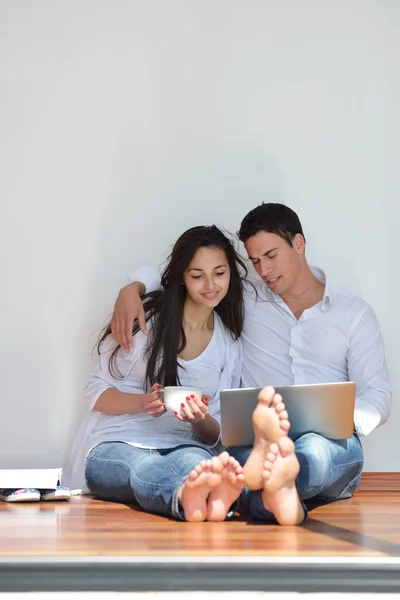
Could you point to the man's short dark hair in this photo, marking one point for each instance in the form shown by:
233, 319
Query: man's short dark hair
272, 218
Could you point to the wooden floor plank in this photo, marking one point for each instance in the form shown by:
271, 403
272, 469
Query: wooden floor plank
366, 525
380, 482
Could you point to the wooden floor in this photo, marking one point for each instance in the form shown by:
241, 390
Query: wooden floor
367, 525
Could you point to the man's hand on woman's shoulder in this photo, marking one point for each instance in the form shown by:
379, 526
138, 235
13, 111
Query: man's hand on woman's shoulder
127, 308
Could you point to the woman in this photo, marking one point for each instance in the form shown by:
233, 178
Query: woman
129, 449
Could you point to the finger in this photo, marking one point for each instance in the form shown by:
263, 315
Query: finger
115, 329
122, 334
128, 333
159, 412
195, 400
156, 401
142, 321
155, 406
179, 416
197, 406
187, 411
156, 387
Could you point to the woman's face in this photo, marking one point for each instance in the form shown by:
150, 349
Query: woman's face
207, 277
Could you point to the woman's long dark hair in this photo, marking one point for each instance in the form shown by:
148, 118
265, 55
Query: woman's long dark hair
165, 308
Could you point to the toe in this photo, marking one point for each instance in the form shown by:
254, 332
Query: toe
274, 448
286, 446
266, 395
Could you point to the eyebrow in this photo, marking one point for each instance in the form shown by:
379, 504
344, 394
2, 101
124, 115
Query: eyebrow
196, 269
265, 253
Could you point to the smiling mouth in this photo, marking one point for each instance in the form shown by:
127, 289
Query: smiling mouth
211, 296
272, 281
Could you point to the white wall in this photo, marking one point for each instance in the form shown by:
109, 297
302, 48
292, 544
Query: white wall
124, 122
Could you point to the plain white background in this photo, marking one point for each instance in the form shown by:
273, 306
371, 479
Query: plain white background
124, 122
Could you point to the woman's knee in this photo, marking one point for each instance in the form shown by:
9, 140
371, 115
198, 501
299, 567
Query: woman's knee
108, 471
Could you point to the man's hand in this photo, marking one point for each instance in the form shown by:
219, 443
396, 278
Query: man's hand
152, 402
128, 307
195, 409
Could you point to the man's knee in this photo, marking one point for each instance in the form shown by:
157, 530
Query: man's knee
327, 464
314, 451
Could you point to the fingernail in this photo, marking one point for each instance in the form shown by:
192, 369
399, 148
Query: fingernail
192, 395
187, 398
159, 387
206, 400
183, 405
175, 413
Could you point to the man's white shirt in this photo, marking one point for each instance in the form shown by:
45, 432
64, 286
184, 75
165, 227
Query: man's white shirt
338, 339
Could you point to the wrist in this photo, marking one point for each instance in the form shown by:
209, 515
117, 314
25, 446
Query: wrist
137, 403
139, 287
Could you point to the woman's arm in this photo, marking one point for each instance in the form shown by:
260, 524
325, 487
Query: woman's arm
207, 430
204, 426
114, 402
104, 390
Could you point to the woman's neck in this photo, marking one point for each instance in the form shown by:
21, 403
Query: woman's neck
197, 317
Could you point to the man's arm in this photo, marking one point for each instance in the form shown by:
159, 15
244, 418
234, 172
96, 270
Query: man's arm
367, 368
129, 306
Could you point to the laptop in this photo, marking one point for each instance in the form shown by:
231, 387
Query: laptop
323, 408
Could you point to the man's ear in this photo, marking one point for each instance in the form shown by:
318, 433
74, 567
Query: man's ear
299, 243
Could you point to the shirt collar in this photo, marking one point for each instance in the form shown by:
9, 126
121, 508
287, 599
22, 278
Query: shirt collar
328, 296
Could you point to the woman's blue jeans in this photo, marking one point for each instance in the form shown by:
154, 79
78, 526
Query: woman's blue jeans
149, 479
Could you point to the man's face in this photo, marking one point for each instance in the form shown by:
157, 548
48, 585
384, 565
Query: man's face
277, 263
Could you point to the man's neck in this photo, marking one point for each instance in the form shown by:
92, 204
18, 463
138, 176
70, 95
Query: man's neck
306, 292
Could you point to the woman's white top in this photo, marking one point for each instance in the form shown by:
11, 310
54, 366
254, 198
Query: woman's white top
218, 367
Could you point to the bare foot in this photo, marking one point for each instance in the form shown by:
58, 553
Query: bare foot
196, 488
270, 422
279, 492
224, 495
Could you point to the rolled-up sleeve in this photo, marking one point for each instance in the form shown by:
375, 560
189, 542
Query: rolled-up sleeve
367, 368
101, 378
148, 276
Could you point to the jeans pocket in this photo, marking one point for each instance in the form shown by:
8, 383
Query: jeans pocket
92, 453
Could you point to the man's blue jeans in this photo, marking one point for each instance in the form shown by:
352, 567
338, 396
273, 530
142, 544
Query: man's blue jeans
329, 470
149, 479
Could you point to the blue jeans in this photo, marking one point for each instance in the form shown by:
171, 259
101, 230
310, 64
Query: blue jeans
149, 479
329, 470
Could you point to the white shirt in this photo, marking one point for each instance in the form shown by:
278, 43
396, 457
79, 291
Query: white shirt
338, 339
216, 368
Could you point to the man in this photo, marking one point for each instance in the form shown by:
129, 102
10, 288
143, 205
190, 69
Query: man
298, 329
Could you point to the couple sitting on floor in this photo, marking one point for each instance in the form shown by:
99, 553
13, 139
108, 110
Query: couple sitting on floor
209, 326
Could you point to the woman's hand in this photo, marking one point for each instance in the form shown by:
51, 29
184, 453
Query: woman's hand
152, 402
195, 409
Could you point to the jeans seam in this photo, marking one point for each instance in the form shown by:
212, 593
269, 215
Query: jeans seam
350, 464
